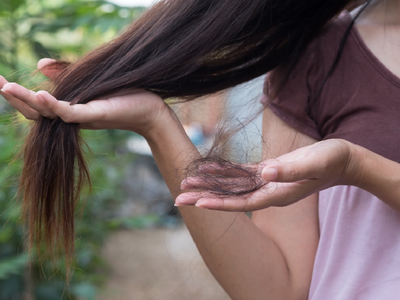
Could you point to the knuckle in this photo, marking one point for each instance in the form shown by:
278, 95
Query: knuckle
249, 205
67, 118
294, 173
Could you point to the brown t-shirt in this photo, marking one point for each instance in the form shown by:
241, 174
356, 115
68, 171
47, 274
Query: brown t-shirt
360, 102
359, 245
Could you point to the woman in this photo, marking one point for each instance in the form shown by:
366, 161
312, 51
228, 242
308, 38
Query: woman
285, 251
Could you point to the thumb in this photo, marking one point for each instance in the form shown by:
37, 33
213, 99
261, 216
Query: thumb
290, 171
51, 68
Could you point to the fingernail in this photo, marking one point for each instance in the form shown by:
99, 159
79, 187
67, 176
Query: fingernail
40, 97
180, 202
4, 88
269, 174
183, 184
200, 203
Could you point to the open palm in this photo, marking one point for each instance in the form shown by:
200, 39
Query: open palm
288, 178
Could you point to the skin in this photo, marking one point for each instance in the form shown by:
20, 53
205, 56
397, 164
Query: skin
270, 256
214, 232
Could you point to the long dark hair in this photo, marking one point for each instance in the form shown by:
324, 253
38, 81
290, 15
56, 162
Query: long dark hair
178, 48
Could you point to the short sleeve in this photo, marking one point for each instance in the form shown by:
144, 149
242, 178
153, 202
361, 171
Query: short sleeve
291, 103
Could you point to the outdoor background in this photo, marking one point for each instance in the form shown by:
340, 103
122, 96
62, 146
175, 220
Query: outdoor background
131, 243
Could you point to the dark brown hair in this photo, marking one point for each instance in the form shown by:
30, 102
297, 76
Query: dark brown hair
178, 48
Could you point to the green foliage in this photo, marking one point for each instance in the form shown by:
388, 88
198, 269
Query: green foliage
133, 222
13, 261
32, 29
13, 266
36, 29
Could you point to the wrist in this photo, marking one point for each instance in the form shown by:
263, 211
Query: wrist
378, 175
354, 173
162, 125
171, 148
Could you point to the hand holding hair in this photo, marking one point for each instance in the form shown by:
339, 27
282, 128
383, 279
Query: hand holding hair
298, 174
53, 149
113, 112
136, 111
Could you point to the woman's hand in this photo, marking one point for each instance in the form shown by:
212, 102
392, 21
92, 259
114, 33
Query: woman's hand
138, 111
289, 178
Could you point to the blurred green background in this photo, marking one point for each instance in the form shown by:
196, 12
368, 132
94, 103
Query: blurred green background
30, 30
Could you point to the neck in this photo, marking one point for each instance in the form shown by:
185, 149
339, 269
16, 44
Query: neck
381, 12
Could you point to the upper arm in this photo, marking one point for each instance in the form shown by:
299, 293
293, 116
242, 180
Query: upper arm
293, 228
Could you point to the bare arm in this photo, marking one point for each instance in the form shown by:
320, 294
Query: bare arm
247, 262
294, 228
375, 174
337, 162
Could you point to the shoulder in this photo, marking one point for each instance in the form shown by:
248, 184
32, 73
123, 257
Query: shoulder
335, 29
319, 54
291, 101
322, 51
323, 48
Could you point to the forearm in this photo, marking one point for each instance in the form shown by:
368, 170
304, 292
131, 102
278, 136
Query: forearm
243, 259
377, 175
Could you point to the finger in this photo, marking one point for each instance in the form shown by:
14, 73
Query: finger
56, 107
226, 169
278, 194
228, 204
302, 169
19, 105
45, 62
223, 186
207, 183
50, 67
259, 199
203, 183
29, 98
209, 200
191, 183
190, 198
78, 113
3, 81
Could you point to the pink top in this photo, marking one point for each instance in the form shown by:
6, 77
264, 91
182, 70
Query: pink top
358, 256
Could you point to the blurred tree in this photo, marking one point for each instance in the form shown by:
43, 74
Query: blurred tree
49, 28
12, 260
32, 29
